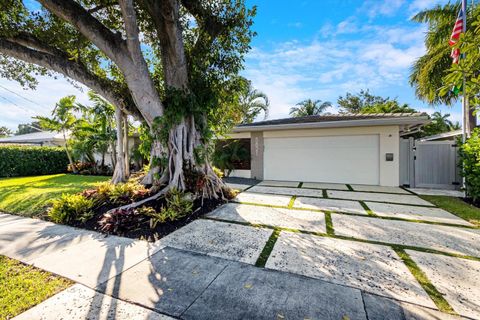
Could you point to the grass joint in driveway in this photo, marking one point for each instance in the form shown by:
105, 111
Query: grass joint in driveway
421, 277
329, 223
369, 211
267, 250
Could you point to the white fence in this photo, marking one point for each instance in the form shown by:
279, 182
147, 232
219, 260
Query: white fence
429, 164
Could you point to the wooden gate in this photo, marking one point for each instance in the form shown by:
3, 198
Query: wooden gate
429, 164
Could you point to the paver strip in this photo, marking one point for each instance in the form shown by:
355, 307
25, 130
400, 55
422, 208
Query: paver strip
285, 218
169, 281
415, 213
458, 279
219, 239
369, 267
80, 302
264, 199
329, 205
286, 191
381, 197
370, 188
454, 240
320, 185
245, 292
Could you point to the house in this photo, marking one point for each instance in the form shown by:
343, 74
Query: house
451, 135
41, 138
339, 148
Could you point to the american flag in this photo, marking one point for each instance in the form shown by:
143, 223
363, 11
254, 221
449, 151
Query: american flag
457, 30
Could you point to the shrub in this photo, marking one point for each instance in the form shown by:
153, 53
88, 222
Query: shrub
29, 161
70, 208
470, 160
120, 220
127, 192
178, 205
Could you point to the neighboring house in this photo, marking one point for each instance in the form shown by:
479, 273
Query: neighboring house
341, 148
56, 139
451, 135
42, 138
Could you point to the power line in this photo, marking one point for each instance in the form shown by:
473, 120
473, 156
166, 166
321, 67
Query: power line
19, 95
23, 108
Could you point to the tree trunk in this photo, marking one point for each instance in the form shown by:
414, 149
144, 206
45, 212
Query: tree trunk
69, 156
119, 174
126, 146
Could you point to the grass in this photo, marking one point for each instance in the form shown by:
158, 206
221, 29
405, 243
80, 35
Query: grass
28, 196
422, 278
457, 207
25, 286
262, 259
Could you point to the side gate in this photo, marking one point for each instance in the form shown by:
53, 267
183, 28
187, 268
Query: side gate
429, 164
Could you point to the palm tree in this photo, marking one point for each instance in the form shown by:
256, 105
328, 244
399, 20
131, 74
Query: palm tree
63, 120
252, 103
427, 72
440, 124
309, 107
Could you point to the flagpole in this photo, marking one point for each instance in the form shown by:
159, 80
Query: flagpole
464, 98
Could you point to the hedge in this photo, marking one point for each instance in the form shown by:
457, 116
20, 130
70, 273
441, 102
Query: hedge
30, 161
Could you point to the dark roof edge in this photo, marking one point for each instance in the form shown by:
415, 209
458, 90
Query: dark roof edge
410, 120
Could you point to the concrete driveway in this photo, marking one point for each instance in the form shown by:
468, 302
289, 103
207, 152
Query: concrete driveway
383, 240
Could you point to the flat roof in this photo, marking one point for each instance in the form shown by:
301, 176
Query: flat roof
337, 121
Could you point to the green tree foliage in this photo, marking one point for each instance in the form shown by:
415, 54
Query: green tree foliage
5, 132
229, 154
440, 124
365, 102
252, 103
309, 107
428, 71
469, 65
94, 131
31, 127
63, 120
470, 158
172, 64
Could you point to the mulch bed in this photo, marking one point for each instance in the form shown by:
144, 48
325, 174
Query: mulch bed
142, 230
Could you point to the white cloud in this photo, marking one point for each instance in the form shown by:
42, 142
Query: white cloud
375, 8
15, 110
327, 68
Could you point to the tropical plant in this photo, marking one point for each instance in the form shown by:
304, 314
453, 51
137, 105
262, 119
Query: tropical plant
440, 123
70, 208
391, 106
229, 153
95, 132
64, 121
428, 71
5, 132
365, 102
252, 103
470, 159
309, 107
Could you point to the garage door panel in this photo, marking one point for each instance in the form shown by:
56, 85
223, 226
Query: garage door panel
337, 159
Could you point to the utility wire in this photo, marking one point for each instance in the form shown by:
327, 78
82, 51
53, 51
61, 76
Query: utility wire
23, 108
19, 95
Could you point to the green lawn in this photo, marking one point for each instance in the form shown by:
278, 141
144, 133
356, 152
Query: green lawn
28, 196
457, 207
23, 287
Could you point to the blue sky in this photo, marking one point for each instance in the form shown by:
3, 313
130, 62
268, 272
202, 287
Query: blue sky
317, 49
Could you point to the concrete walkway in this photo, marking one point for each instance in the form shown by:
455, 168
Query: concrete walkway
341, 258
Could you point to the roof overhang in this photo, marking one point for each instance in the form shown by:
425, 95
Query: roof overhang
405, 123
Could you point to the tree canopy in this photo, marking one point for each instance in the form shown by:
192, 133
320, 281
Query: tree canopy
309, 107
365, 102
173, 64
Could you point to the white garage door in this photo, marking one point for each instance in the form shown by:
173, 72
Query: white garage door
337, 159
